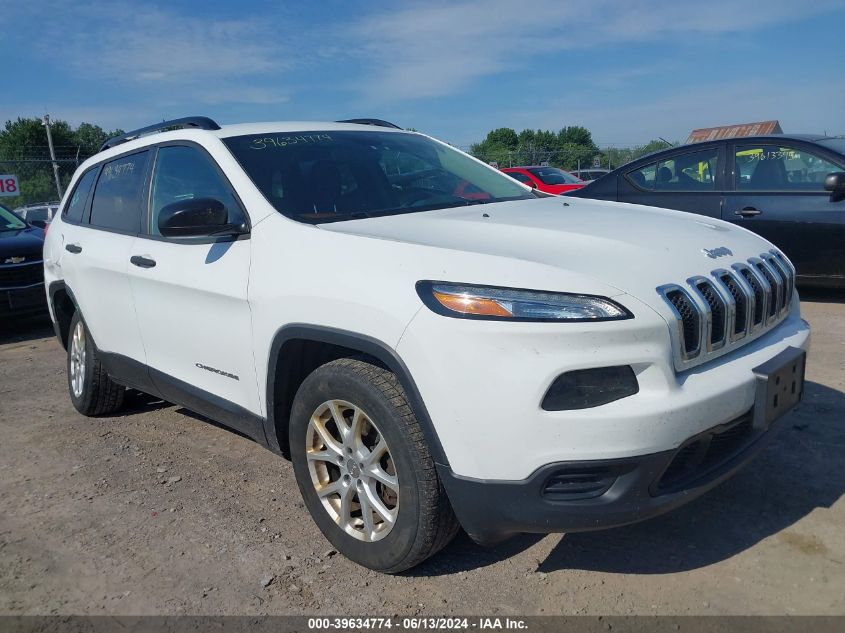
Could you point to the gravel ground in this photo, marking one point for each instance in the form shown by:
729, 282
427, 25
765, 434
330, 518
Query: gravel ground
159, 511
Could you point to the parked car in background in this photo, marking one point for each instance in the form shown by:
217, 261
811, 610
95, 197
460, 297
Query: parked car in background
21, 266
788, 188
39, 214
589, 175
546, 179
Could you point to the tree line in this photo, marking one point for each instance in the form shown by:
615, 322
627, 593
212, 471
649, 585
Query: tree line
569, 148
24, 152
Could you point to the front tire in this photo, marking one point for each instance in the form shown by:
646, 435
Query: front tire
91, 390
364, 469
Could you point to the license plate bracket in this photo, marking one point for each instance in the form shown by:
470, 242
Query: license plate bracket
780, 386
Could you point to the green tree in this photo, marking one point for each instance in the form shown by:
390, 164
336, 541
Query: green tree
24, 152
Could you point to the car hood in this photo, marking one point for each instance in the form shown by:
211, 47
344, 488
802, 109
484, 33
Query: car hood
630, 247
28, 243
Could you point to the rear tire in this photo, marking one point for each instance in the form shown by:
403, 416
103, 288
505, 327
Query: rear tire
91, 390
376, 453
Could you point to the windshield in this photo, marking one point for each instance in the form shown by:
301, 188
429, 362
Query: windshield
331, 176
554, 176
9, 221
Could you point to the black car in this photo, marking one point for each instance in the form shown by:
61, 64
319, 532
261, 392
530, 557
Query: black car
788, 188
21, 267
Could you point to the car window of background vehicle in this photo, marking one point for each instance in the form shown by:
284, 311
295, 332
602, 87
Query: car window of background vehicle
184, 173
693, 171
773, 168
117, 203
554, 176
9, 221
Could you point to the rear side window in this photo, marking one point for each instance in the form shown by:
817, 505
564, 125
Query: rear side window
117, 197
693, 171
76, 206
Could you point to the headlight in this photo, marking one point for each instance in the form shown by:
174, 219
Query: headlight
487, 302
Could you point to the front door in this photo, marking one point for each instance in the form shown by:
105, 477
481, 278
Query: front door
191, 297
779, 194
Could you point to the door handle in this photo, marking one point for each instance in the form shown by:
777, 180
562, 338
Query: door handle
73, 248
142, 262
748, 212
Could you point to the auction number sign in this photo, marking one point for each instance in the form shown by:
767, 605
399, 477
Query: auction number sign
9, 185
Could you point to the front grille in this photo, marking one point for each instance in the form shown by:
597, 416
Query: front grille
728, 305
18, 275
774, 298
741, 304
689, 318
759, 295
718, 312
706, 454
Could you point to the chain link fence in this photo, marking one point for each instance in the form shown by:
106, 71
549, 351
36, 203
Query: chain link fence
34, 170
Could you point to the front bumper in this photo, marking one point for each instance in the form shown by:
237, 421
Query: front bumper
22, 301
612, 492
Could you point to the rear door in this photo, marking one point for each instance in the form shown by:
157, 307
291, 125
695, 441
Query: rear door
98, 231
688, 180
779, 194
191, 295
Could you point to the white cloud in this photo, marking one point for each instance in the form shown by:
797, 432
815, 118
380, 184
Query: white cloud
433, 49
150, 48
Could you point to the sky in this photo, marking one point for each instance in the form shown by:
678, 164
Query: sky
628, 70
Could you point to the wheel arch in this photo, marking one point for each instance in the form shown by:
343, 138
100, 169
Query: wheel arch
298, 349
63, 305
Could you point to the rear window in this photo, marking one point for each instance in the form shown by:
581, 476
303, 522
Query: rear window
337, 175
117, 197
78, 199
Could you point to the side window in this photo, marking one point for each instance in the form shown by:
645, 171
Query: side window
183, 173
117, 196
76, 205
693, 171
643, 177
774, 168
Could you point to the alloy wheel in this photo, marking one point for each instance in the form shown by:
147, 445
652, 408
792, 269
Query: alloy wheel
77, 360
352, 470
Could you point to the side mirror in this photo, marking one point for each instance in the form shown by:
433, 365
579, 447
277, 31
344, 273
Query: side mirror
835, 184
197, 217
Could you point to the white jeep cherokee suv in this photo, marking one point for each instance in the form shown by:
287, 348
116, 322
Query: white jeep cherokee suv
431, 342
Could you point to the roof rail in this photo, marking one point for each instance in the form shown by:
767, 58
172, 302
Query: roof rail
376, 122
199, 122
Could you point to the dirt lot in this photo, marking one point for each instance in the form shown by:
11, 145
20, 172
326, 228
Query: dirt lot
160, 511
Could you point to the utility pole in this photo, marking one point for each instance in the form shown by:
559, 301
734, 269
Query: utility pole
53, 155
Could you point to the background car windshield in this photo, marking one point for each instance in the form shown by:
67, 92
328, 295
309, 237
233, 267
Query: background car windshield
329, 176
9, 221
554, 176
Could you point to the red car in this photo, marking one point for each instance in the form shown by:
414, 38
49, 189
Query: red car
547, 179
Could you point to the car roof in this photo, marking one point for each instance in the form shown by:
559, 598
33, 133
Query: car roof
236, 129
